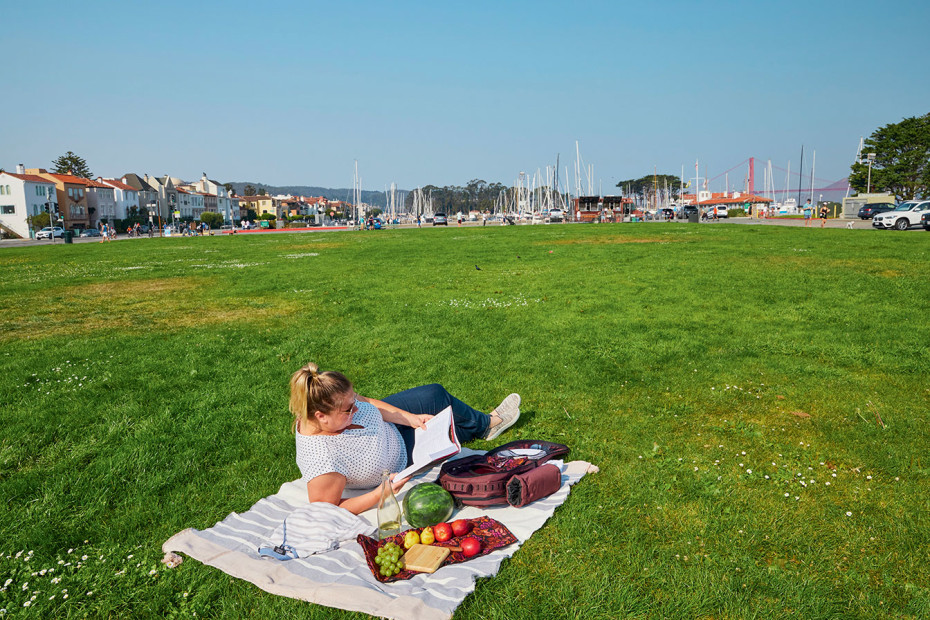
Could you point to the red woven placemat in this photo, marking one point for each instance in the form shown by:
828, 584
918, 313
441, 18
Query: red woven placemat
491, 533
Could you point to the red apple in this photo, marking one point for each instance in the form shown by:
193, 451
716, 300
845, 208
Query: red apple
471, 546
460, 527
442, 531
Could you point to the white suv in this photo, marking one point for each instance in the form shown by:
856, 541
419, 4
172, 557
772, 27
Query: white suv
48, 231
556, 215
904, 216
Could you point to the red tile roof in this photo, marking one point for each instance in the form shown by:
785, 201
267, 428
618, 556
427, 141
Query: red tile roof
32, 178
70, 178
735, 201
713, 195
119, 185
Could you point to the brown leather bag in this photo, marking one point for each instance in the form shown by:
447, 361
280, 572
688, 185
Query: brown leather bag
481, 480
535, 484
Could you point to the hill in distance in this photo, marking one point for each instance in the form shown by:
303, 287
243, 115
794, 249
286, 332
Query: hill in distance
370, 197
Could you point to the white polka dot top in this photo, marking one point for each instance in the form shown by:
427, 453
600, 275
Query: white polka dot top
359, 454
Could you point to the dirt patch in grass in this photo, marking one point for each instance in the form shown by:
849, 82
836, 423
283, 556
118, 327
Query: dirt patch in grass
16, 260
889, 267
609, 241
163, 304
319, 245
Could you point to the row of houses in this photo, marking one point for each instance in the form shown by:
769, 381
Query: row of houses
293, 206
86, 203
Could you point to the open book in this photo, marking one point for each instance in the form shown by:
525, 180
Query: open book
434, 444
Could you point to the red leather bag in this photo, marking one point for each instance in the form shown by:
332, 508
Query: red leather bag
481, 480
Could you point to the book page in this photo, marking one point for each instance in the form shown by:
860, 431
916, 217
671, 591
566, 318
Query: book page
437, 442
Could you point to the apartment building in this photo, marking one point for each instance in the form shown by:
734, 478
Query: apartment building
126, 196
72, 197
21, 197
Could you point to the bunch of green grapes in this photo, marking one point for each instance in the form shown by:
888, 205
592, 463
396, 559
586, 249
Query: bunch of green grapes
388, 559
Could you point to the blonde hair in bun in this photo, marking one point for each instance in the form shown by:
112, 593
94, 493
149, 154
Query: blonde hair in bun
312, 391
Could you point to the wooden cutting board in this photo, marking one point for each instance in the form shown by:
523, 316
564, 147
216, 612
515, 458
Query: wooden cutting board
425, 558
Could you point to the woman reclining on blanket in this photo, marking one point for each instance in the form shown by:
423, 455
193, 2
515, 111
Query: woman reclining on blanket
346, 441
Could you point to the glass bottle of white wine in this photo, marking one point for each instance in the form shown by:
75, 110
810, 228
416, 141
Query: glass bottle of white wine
388, 509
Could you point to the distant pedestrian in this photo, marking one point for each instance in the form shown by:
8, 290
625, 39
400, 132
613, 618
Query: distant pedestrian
808, 212
824, 211
419, 222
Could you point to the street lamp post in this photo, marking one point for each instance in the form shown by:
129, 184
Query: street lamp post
868, 187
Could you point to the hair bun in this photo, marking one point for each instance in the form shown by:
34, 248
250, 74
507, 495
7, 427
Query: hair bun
313, 370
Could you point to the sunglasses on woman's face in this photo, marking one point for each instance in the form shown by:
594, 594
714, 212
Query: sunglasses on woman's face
349, 408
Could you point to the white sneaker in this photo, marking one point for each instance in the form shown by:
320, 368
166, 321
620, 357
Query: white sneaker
509, 412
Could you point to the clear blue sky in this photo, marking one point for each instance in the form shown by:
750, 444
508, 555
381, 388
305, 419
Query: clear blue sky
437, 92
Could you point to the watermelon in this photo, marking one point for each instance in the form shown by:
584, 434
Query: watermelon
427, 504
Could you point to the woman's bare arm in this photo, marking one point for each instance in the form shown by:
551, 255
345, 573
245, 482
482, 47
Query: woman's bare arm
329, 488
390, 413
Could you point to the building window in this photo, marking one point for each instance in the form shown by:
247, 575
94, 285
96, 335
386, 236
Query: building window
8, 210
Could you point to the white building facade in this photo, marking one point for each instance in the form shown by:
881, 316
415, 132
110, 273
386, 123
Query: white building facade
125, 196
223, 203
101, 203
190, 204
22, 196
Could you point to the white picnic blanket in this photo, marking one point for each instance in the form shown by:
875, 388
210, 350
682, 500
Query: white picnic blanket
340, 578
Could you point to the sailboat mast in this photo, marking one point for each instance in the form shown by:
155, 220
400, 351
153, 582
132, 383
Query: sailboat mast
787, 182
800, 175
813, 165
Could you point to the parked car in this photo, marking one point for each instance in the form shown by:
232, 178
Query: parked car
90, 232
688, 210
666, 213
904, 216
867, 212
925, 221
556, 215
440, 219
48, 231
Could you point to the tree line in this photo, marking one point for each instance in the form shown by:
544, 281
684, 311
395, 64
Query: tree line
644, 188
477, 195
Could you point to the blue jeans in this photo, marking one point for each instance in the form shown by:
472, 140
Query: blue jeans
431, 399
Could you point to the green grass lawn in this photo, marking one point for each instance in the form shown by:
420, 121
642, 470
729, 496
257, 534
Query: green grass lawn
728, 381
